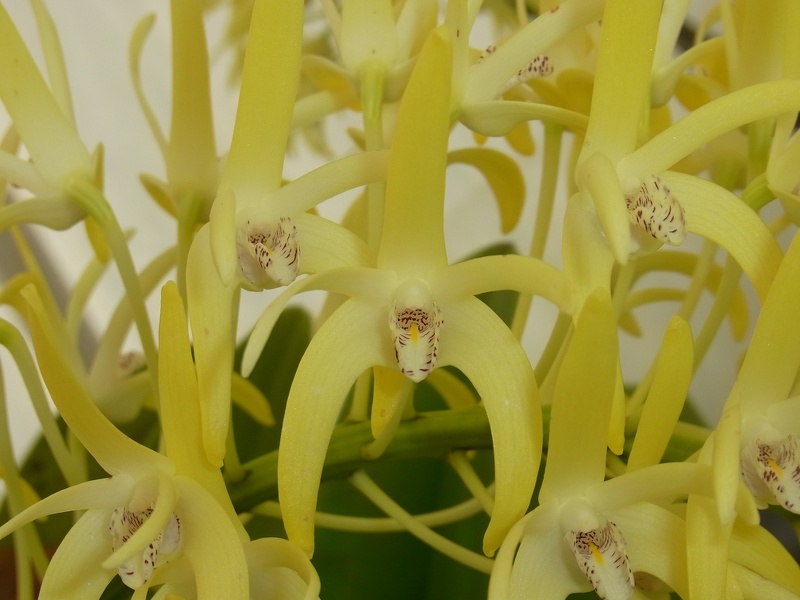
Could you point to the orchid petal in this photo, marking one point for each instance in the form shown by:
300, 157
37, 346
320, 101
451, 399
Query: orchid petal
656, 543
721, 217
355, 281
732, 110
210, 302
75, 572
624, 64
89, 495
346, 345
211, 543
503, 378
579, 419
329, 180
755, 587
499, 117
269, 554
662, 408
756, 549
270, 79
544, 562
487, 78
390, 390
368, 34
412, 238
327, 245
53, 213
190, 156
54, 58
49, 135
138, 38
510, 272
504, 177
587, 259
180, 411
251, 400
112, 449
706, 548
771, 364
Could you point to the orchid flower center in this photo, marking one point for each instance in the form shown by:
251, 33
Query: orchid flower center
656, 211
599, 550
269, 251
139, 569
771, 471
415, 322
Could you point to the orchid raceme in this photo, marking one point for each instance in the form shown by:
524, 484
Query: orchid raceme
369, 380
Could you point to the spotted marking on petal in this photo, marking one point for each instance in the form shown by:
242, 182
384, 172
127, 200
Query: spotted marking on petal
771, 471
269, 249
600, 554
124, 523
654, 208
415, 335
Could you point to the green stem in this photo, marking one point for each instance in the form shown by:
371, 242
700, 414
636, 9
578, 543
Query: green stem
430, 435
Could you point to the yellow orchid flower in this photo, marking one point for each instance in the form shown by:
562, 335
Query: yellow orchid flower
154, 507
411, 314
260, 234
587, 533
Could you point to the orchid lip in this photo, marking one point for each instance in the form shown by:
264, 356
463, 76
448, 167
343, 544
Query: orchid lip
415, 322
656, 211
269, 251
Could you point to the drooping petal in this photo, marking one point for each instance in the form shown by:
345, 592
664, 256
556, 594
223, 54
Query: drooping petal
412, 239
211, 314
579, 419
181, 422
113, 450
772, 360
269, 556
720, 216
758, 550
656, 543
477, 342
347, 344
706, 548
665, 401
390, 390
328, 245
544, 564
75, 572
211, 543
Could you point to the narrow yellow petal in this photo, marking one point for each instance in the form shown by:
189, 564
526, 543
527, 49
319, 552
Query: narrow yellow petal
706, 548
75, 572
108, 445
390, 389
771, 364
579, 419
270, 79
477, 342
345, 346
720, 216
758, 550
191, 155
251, 400
211, 543
664, 403
211, 314
412, 238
